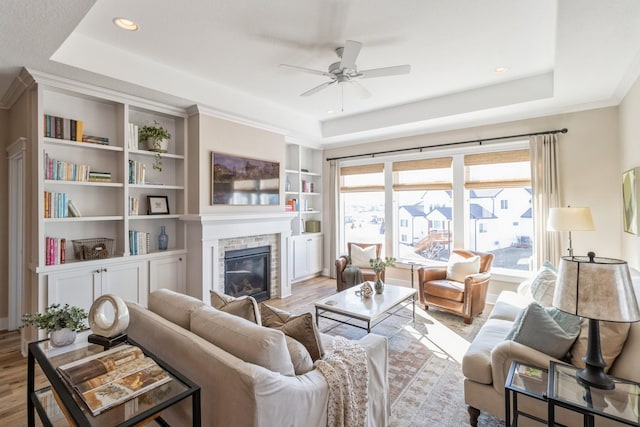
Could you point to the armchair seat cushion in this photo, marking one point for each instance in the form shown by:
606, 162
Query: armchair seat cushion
447, 289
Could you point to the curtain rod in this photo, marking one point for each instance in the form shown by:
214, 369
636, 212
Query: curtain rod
449, 144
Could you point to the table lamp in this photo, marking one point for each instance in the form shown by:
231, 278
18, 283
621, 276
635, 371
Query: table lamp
597, 289
570, 219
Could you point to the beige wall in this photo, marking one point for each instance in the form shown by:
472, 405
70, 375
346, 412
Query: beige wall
223, 136
589, 167
4, 214
630, 158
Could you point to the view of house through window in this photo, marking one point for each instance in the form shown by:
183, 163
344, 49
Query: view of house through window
497, 207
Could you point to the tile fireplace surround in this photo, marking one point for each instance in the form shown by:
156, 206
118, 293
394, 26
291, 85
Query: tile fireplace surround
208, 236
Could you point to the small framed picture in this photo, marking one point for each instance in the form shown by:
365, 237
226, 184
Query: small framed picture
157, 205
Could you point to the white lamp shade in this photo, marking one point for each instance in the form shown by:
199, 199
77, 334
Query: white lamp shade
596, 288
570, 219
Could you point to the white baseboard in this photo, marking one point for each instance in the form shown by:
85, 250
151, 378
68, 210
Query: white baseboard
4, 323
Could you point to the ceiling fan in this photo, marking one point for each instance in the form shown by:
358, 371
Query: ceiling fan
345, 70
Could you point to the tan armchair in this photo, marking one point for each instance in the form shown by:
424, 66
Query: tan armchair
466, 298
343, 260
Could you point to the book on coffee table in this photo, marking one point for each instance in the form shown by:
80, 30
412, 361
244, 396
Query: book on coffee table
109, 378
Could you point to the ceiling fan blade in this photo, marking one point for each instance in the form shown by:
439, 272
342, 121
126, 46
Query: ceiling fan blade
349, 54
386, 71
361, 91
317, 88
306, 70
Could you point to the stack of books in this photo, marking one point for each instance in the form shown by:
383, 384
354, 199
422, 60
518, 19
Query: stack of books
61, 128
133, 205
55, 205
137, 172
99, 176
102, 140
55, 250
132, 136
139, 242
60, 170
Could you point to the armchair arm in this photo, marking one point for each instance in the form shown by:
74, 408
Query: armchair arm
478, 278
475, 294
505, 352
426, 274
341, 263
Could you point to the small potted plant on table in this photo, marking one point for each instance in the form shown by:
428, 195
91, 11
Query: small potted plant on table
157, 138
62, 323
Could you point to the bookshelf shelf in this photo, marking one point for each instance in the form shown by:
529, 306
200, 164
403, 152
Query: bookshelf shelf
86, 218
77, 144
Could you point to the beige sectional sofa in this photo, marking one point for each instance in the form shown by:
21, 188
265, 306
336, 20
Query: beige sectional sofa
488, 359
235, 392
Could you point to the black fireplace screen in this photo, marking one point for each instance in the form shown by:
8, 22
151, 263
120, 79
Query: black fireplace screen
248, 272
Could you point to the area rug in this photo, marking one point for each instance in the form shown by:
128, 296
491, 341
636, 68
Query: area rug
425, 375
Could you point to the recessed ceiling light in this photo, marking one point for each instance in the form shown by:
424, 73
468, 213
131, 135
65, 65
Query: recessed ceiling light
330, 111
125, 24
500, 70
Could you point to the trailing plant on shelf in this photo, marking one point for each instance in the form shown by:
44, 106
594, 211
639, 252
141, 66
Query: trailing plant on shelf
57, 317
157, 138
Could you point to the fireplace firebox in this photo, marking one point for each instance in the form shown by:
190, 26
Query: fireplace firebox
248, 272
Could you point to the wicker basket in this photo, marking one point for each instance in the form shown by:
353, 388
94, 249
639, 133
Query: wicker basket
96, 248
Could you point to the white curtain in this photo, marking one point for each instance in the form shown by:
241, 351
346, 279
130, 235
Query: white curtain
334, 215
546, 194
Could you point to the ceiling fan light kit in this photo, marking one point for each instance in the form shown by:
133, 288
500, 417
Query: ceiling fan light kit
346, 71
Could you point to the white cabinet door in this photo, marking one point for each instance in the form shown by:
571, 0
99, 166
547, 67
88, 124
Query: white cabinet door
128, 280
76, 287
315, 254
300, 257
168, 273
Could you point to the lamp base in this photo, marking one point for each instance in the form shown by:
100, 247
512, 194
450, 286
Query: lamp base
594, 376
593, 373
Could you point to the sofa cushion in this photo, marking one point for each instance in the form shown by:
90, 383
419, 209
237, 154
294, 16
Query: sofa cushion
612, 338
360, 256
476, 363
245, 306
300, 327
547, 330
174, 306
509, 305
447, 289
244, 339
300, 357
543, 286
460, 267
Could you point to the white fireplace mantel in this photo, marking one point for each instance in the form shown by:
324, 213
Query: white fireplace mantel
204, 233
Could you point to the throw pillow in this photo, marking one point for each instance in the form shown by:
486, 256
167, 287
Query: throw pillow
174, 306
300, 357
460, 267
613, 335
360, 256
244, 339
543, 286
245, 306
547, 330
300, 327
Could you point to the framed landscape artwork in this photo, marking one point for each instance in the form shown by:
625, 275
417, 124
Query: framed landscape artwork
630, 200
244, 181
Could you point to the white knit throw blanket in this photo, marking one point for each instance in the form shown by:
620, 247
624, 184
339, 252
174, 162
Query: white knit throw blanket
345, 368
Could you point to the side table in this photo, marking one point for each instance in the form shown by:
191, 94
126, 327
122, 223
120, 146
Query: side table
622, 404
529, 381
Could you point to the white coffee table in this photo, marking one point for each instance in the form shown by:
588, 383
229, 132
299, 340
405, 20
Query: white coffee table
371, 310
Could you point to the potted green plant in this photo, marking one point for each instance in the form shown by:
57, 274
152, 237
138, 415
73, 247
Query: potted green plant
379, 265
61, 322
157, 138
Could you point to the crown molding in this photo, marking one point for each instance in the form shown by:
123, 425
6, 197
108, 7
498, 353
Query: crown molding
22, 82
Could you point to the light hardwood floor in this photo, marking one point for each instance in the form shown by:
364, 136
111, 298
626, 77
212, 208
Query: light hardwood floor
13, 367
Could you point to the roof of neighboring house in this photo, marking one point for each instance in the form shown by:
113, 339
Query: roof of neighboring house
526, 214
483, 194
476, 212
414, 210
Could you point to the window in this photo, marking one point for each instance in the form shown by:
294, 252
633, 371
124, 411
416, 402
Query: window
502, 179
422, 192
480, 201
362, 200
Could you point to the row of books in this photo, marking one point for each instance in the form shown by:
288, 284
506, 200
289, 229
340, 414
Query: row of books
99, 176
133, 205
55, 204
61, 128
139, 242
55, 250
60, 170
308, 187
132, 136
137, 172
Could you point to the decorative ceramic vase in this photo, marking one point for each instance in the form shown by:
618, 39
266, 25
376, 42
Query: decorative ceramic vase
62, 337
159, 146
379, 284
109, 316
163, 239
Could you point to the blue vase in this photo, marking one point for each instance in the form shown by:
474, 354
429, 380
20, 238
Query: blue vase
163, 239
